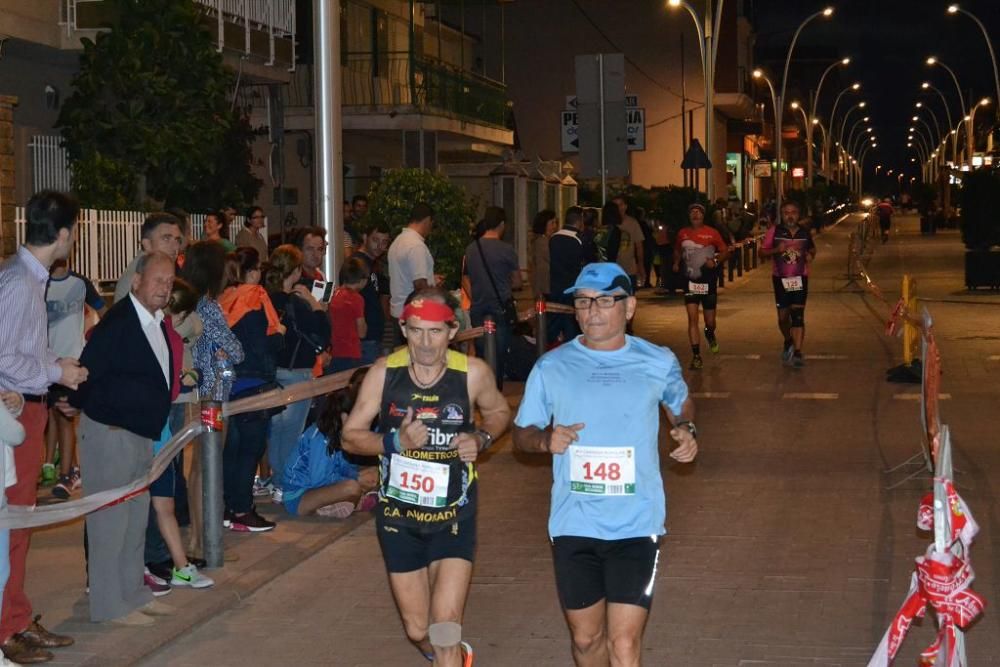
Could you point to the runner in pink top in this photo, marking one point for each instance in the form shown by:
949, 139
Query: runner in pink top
792, 248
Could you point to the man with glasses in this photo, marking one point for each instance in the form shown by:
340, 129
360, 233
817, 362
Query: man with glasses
594, 405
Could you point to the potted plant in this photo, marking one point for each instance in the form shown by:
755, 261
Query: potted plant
980, 225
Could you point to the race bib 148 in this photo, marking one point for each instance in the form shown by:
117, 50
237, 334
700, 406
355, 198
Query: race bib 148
602, 471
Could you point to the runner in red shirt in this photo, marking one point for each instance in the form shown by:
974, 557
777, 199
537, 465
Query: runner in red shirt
703, 251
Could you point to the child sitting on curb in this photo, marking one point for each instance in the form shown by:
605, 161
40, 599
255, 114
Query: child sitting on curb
320, 479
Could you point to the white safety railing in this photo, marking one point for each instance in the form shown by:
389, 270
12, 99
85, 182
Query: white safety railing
275, 17
49, 163
107, 241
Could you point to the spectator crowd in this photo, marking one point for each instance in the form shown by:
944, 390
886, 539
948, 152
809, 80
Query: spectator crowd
98, 385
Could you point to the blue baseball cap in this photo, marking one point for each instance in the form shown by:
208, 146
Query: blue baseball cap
605, 277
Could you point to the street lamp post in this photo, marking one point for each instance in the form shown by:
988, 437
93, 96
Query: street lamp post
926, 85
955, 9
840, 135
778, 109
759, 74
813, 102
708, 42
932, 60
825, 153
809, 147
849, 145
832, 124
930, 135
971, 138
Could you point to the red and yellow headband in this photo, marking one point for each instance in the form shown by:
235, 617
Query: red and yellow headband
427, 310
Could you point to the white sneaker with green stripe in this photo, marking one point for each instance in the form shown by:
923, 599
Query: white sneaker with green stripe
190, 576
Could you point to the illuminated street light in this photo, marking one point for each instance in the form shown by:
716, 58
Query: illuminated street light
955, 9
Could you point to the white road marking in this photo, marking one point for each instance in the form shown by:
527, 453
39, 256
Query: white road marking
993, 357
709, 394
826, 356
916, 397
752, 357
811, 396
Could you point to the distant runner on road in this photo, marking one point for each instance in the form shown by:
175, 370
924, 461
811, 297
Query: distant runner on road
793, 250
593, 403
885, 213
425, 396
703, 251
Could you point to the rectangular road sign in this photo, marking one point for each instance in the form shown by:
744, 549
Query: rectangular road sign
635, 130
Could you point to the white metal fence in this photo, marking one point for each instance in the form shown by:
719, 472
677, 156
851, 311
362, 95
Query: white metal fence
275, 17
109, 240
49, 164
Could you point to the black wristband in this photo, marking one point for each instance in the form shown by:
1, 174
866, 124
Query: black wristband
690, 427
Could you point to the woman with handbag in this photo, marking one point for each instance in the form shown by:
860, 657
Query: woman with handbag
307, 333
254, 321
493, 274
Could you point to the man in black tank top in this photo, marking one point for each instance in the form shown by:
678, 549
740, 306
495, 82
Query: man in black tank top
424, 396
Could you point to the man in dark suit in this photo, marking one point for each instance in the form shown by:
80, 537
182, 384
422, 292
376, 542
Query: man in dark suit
125, 404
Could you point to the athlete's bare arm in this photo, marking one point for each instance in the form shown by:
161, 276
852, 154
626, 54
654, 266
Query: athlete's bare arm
358, 437
687, 446
492, 406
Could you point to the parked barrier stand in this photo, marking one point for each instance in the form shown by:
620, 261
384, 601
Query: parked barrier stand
541, 327
211, 488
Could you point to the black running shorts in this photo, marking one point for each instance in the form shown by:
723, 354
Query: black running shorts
785, 299
589, 570
695, 290
409, 549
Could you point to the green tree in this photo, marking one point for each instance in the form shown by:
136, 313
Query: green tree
391, 199
149, 117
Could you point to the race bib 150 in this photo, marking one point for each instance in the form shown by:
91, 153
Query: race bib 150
602, 471
418, 482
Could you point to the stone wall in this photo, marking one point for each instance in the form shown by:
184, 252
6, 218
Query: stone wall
7, 236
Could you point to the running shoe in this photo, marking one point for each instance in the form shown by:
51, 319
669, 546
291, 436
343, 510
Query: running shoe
798, 361
786, 354
190, 576
696, 363
467, 655
336, 510
64, 488
227, 519
48, 474
367, 502
158, 587
262, 487
162, 570
251, 522
277, 495
713, 344
74, 477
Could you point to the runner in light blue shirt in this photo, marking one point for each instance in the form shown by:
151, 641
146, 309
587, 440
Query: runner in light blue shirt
594, 404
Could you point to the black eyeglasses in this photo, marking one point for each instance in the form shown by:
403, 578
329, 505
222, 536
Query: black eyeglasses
603, 301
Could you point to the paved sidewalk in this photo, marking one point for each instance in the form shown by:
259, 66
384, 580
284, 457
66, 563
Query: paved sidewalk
785, 546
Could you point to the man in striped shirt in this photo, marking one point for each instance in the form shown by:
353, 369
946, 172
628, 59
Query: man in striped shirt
28, 367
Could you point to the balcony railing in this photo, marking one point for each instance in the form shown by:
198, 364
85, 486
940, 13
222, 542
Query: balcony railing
261, 28
400, 80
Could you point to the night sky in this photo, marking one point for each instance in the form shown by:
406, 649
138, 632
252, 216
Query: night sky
888, 40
